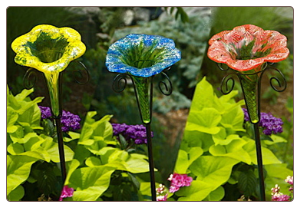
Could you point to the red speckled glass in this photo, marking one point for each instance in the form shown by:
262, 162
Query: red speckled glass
247, 47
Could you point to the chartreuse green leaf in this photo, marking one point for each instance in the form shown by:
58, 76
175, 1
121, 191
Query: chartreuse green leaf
22, 112
205, 121
119, 160
267, 155
216, 195
185, 159
90, 182
71, 168
203, 96
11, 118
94, 131
233, 150
213, 170
18, 170
136, 164
197, 191
210, 168
16, 194
52, 148
233, 119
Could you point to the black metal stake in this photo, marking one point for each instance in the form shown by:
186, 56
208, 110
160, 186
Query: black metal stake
228, 80
59, 133
151, 163
148, 133
29, 80
61, 148
259, 162
166, 89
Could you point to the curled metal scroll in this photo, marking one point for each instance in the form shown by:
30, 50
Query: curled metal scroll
119, 83
80, 72
165, 88
29, 78
281, 83
220, 65
227, 83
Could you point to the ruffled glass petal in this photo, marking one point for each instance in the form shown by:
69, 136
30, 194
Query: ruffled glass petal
142, 55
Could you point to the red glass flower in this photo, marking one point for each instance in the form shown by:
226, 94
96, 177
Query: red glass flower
247, 47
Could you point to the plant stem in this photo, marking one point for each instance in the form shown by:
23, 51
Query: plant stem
259, 162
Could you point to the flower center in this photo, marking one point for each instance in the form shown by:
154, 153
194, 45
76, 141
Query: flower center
142, 56
246, 51
48, 49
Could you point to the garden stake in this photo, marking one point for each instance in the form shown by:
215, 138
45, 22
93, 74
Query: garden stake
55, 92
259, 163
50, 50
253, 105
57, 119
248, 49
143, 88
61, 148
141, 57
151, 162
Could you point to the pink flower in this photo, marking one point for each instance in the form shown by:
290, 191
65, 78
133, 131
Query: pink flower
280, 197
162, 198
276, 189
161, 193
277, 195
179, 180
66, 192
289, 180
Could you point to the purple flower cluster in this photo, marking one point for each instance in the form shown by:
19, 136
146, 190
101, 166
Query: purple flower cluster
135, 132
68, 120
269, 123
179, 180
45, 112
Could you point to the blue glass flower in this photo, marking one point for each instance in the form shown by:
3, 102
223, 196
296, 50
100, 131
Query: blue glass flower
142, 55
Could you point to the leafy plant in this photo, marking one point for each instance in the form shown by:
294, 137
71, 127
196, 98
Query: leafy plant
218, 152
25, 147
94, 160
97, 157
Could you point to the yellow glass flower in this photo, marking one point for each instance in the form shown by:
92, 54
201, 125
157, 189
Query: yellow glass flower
50, 50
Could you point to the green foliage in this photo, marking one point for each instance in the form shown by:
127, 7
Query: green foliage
272, 20
18, 169
90, 173
26, 147
179, 12
92, 156
216, 149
